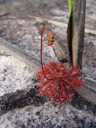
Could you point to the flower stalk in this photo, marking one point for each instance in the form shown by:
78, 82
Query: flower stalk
51, 41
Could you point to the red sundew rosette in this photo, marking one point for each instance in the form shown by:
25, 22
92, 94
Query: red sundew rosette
60, 83
56, 80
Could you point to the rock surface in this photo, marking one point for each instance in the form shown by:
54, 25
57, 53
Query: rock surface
48, 115
15, 75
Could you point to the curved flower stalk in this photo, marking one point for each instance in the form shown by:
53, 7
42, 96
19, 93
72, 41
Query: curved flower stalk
56, 80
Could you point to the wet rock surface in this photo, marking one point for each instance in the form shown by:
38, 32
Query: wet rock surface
20, 104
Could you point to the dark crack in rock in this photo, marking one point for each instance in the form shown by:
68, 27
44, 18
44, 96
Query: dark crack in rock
20, 99
82, 104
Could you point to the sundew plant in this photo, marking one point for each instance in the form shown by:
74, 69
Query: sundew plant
58, 81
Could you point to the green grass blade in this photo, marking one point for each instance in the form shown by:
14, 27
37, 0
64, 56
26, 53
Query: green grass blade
72, 10
70, 5
71, 25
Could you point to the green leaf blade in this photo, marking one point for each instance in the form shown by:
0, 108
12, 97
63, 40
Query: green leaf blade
70, 6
